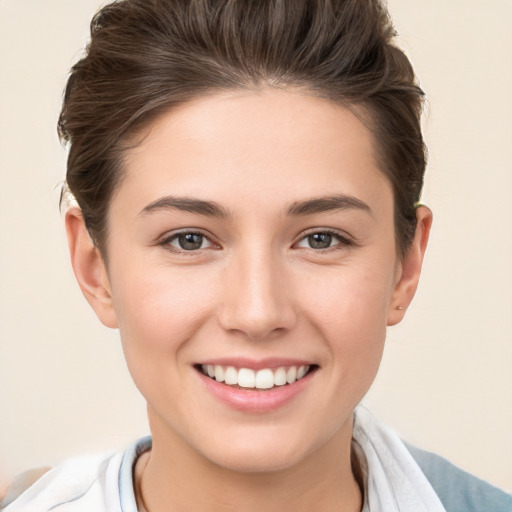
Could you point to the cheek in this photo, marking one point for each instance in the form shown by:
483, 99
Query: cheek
355, 296
350, 311
158, 312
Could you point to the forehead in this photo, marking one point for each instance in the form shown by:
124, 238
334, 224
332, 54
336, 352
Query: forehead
269, 145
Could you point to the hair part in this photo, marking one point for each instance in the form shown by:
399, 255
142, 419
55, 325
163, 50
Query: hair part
147, 56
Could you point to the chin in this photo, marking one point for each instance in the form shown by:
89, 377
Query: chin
264, 452
257, 461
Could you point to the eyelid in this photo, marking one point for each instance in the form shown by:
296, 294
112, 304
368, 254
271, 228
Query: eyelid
344, 239
169, 236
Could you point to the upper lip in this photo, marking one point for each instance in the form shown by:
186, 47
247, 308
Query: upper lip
256, 364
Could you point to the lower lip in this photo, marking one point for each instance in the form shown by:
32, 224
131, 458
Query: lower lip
255, 401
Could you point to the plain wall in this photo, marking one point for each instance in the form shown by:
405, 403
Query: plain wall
446, 380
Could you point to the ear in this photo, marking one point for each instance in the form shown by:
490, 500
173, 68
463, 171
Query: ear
89, 268
410, 268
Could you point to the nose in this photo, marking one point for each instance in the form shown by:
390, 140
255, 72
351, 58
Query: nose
256, 300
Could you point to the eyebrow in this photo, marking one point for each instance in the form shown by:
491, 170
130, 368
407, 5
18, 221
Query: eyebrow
187, 204
295, 209
325, 204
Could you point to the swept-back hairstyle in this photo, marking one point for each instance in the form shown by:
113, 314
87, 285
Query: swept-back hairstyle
146, 56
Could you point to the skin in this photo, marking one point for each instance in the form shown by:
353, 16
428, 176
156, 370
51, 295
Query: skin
255, 289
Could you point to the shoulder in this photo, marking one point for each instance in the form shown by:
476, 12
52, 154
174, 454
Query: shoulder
79, 484
458, 490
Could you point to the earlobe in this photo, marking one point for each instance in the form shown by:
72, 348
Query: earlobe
89, 268
410, 268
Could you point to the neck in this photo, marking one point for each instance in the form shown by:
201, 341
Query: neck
323, 482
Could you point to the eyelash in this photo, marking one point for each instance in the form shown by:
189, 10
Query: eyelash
166, 242
342, 241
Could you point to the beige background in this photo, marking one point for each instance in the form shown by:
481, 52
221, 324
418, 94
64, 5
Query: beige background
446, 379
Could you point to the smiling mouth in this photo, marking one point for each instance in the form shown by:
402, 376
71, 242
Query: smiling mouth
264, 379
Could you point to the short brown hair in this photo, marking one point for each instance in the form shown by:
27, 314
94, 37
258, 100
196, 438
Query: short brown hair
146, 56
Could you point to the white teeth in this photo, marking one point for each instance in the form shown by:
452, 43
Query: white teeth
219, 374
261, 379
301, 372
265, 379
280, 377
231, 375
246, 378
291, 375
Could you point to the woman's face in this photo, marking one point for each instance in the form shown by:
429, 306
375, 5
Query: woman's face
252, 236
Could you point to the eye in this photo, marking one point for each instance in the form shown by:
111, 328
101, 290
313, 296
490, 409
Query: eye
187, 241
322, 240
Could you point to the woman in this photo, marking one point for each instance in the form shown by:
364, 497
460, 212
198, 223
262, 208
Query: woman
248, 179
